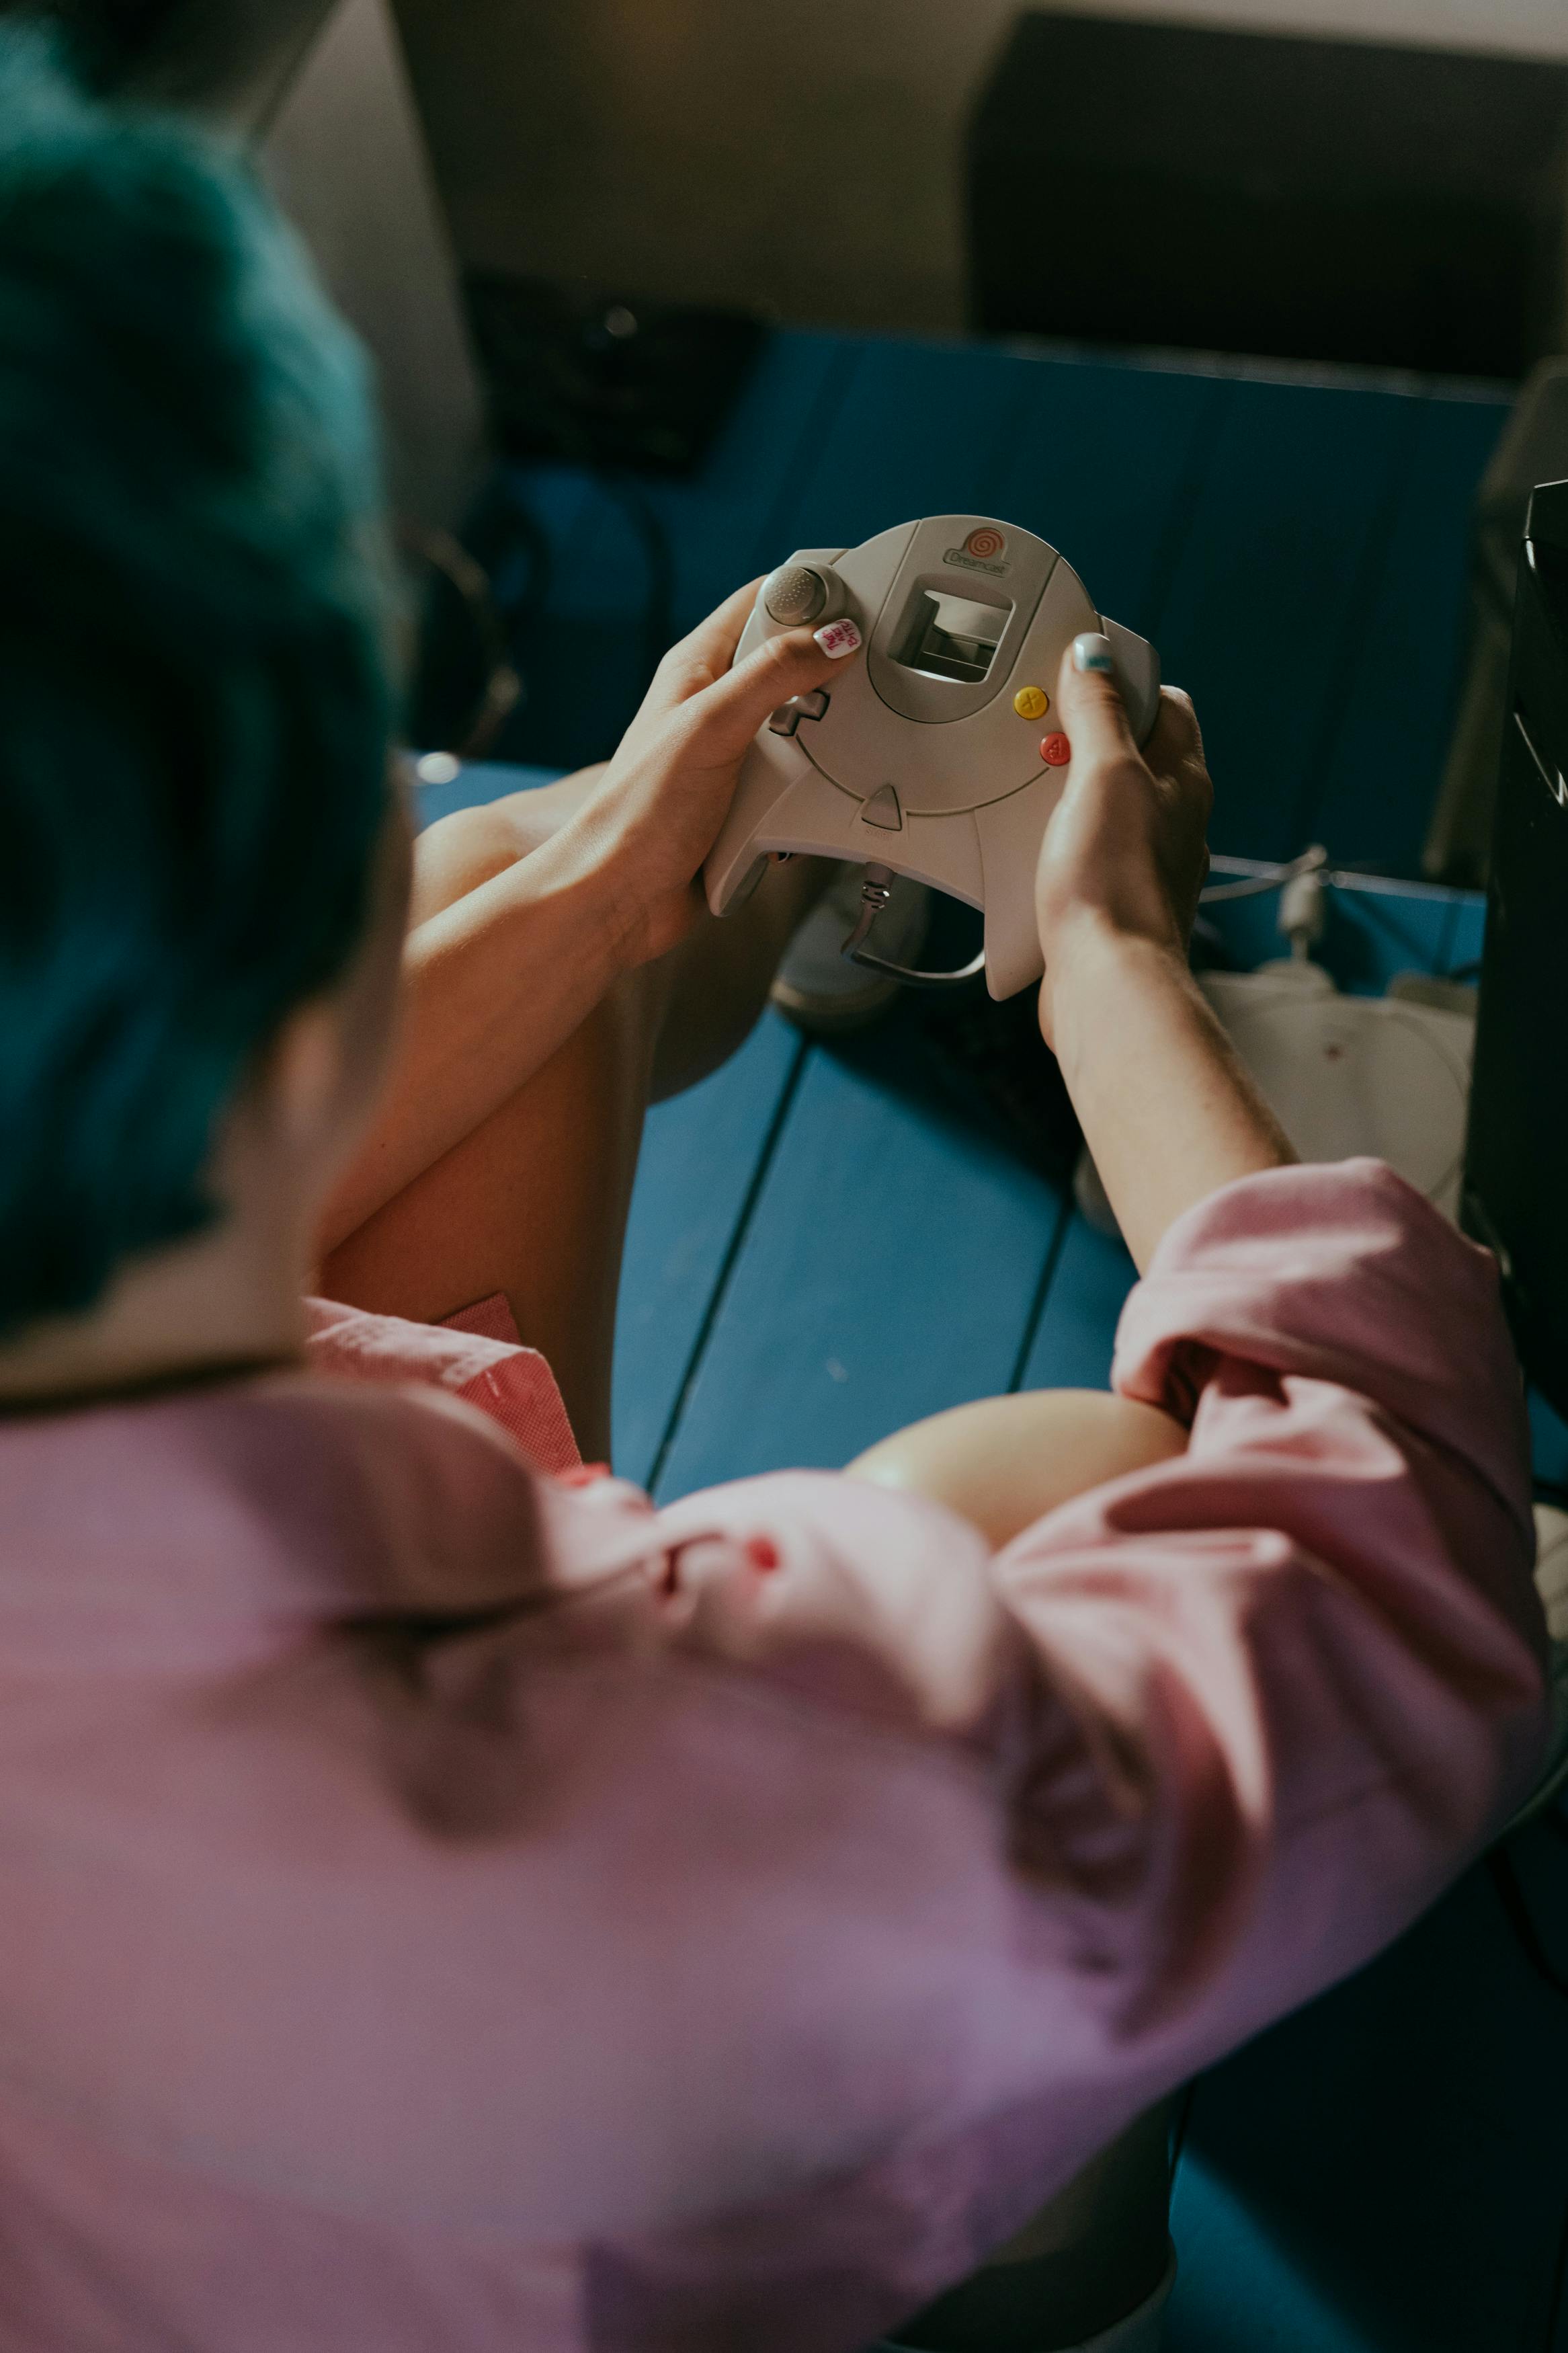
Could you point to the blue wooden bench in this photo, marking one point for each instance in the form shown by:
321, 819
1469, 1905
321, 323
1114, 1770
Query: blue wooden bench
821, 1249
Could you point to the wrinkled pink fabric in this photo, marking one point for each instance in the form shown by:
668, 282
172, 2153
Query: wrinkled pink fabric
447, 1909
486, 1366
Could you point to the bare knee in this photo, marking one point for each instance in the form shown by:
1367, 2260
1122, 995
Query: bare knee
1003, 1462
459, 853
716, 983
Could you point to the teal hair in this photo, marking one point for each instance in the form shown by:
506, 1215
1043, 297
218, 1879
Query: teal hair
196, 699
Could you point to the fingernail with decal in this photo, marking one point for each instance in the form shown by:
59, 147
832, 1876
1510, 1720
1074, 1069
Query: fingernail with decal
838, 639
1092, 652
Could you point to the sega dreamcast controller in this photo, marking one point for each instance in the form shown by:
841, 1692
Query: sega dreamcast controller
941, 753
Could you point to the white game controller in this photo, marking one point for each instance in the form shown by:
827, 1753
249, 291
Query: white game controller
939, 753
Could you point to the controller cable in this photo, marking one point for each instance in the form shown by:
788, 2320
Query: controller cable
500, 576
876, 893
1273, 878
471, 589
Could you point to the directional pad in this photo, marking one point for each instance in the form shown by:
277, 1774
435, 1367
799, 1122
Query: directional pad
788, 715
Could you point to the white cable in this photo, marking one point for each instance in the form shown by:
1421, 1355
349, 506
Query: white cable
1311, 861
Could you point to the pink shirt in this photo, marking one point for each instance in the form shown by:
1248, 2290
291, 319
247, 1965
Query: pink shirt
441, 1907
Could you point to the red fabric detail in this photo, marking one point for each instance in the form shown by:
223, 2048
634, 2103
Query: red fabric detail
518, 1391
490, 1318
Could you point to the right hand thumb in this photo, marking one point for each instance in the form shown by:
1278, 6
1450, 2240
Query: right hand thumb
1088, 697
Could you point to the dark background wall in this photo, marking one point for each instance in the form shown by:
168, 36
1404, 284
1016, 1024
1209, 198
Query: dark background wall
804, 158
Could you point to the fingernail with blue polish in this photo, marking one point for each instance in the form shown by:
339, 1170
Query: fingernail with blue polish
1093, 652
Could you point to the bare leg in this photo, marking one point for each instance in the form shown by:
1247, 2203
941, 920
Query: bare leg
533, 1203
703, 999
1003, 1462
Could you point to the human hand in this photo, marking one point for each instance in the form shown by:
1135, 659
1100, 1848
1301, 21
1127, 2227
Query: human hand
657, 811
1124, 852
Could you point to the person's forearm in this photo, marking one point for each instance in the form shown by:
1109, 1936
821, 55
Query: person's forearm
1167, 1109
492, 985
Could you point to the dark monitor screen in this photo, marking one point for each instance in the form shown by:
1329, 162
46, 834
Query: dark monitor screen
1516, 1166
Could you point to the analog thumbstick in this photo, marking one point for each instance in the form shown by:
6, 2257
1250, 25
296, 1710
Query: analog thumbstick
798, 593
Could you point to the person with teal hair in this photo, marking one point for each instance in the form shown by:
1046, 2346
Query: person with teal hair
444, 1900
192, 591
198, 657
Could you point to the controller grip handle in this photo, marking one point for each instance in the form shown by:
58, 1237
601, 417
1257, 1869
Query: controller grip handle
1138, 675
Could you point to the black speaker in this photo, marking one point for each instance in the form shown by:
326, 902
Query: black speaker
1516, 1164
1156, 184
591, 377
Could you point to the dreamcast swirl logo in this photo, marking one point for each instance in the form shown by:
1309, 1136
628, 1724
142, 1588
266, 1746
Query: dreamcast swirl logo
982, 550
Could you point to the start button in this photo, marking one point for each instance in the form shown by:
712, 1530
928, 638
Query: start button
1031, 703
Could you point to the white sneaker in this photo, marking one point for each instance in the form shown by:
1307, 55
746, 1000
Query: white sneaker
816, 986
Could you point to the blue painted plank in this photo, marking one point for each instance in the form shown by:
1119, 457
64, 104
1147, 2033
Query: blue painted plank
585, 677
1372, 803
1373, 934
725, 527
1072, 1344
719, 521
1386, 2171
580, 659
587, 661
560, 500
1548, 1443
1236, 2290
1097, 458
1272, 592
888, 1270
922, 428
1467, 937
700, 1153
564, 720
1106, 466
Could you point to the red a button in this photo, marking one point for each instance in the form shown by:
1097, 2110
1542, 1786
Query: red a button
1056, 751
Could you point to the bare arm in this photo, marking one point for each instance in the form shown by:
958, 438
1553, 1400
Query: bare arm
496, 982
491, 986
1169, 1112
1167, 1109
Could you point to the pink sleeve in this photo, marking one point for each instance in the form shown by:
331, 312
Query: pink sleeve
1307, 1654
1250, 1710
900, 1876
